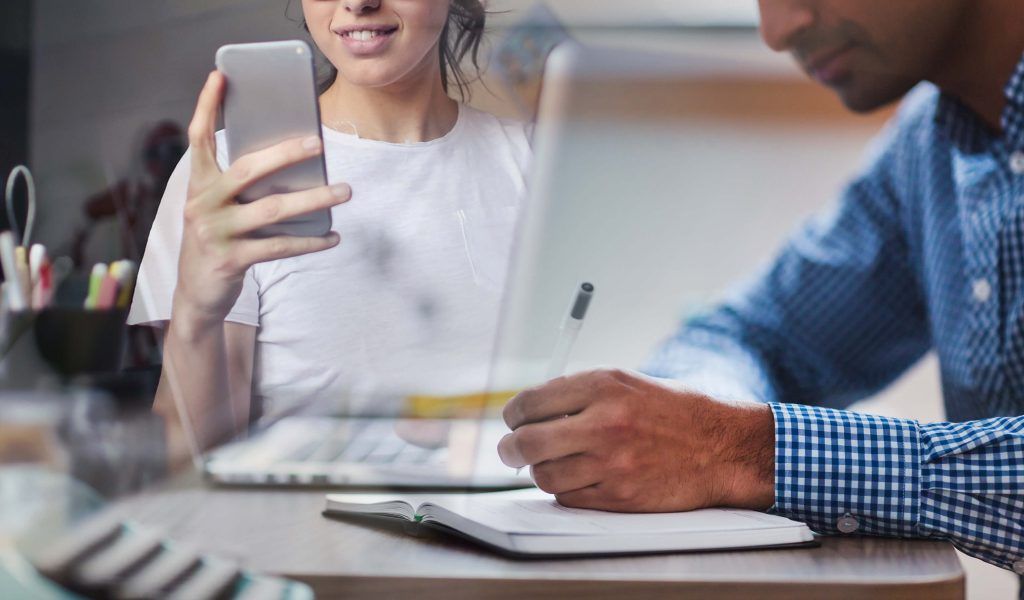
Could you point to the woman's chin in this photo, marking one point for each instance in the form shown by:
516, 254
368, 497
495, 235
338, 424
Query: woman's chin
371, 78
396, 67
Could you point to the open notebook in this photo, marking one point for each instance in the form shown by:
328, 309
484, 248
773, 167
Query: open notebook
530, 523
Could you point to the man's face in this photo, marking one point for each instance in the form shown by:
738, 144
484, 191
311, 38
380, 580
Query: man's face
870, 52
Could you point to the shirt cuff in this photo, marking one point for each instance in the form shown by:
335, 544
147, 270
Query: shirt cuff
845, 472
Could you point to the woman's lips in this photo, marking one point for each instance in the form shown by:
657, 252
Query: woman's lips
367, 42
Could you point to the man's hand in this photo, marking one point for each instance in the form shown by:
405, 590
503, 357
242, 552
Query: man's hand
619, 441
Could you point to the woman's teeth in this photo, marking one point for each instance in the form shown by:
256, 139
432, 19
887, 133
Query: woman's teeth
363, 36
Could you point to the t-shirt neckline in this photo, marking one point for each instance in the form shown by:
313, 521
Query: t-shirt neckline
353, 140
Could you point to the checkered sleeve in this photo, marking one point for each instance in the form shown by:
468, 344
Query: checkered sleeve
844, 472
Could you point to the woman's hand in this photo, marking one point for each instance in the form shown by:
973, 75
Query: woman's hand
216, 250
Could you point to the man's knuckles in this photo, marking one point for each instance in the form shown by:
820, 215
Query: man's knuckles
623, 463
616, 421
605, 380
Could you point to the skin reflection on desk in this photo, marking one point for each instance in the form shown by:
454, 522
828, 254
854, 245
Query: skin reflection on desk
282, 532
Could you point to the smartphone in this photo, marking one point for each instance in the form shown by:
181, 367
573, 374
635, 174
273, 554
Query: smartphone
271, 97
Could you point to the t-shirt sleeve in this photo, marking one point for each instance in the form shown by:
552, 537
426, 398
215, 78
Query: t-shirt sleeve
158, 273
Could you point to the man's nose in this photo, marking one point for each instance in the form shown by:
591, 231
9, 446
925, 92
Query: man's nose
782, 21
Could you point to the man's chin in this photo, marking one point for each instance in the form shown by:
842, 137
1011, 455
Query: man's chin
863, 99
860, 107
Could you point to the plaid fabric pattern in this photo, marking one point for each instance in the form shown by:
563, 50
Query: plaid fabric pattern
870, 462
923, 252
897, 478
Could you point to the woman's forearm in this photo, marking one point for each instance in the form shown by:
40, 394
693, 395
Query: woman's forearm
207, 375
196, 381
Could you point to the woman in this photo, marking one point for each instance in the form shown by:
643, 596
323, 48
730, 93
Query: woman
409, 297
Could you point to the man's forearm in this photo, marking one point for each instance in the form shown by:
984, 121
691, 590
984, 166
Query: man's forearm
747, 456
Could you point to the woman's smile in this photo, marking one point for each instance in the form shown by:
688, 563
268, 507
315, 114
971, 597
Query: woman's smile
366, 40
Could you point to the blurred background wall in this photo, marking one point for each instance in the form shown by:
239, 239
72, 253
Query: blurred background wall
15, 54
105, 74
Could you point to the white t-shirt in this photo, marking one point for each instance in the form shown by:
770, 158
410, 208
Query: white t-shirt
408, 302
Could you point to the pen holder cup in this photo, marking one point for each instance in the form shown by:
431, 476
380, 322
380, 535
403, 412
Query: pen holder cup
74, 341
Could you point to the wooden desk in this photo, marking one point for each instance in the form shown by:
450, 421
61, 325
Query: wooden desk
282, 532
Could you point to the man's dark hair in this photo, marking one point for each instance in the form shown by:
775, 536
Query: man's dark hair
461, 38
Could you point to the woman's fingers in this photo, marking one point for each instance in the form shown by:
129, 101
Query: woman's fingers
211, 213
246, 218
201, 135
253, 167
208, 185
255, 251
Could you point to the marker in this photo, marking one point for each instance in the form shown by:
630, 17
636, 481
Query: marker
570, 330
16, 298
127, 279
42, 293
115, 271
21, 264
99, 273
108, 292
36, 258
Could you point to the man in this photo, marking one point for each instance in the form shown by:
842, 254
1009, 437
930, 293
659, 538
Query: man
924, 251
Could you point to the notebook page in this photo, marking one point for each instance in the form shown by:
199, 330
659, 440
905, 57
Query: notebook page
381, 504
532, 512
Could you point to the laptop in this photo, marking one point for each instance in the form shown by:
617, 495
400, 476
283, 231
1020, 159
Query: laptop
589, 234
324, 451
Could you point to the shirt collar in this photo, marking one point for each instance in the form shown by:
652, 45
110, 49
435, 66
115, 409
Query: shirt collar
963, 127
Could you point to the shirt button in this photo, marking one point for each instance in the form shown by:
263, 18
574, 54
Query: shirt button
847, 524
1018, 567
1017, 163
982, 290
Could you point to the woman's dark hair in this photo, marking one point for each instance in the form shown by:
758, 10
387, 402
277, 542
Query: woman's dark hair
460, 38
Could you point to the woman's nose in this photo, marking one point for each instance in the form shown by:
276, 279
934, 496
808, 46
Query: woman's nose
361, 6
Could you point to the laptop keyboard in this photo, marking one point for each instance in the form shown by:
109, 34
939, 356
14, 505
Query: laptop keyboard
367, 452
367, 442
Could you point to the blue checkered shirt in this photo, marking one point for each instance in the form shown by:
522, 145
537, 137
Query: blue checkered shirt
924, 251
